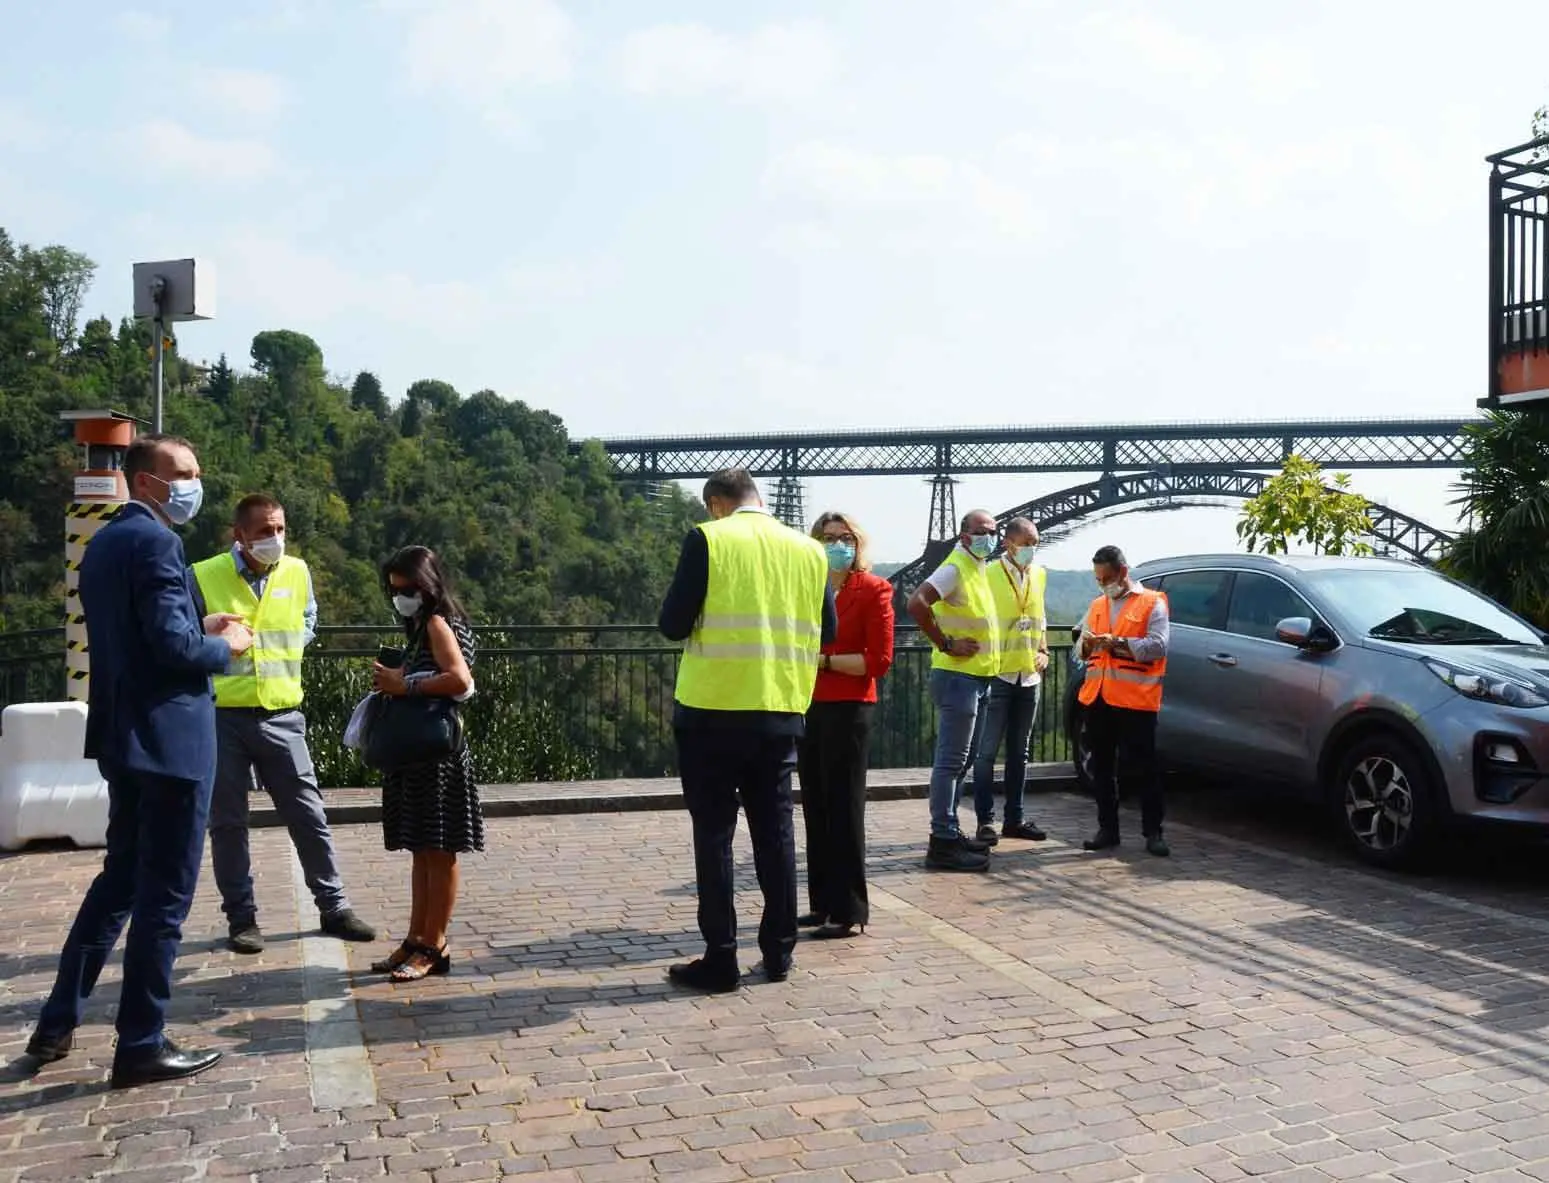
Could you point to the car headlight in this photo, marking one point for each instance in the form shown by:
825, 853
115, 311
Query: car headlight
1487, 687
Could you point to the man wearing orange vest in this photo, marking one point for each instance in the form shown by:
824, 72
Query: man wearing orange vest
1124, 644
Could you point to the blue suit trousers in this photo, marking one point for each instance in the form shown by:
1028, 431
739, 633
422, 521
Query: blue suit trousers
155, 845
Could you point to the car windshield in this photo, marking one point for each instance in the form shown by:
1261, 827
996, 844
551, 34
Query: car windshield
1399, 604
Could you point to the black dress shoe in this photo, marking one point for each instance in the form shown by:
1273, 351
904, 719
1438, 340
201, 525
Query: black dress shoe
776, 973
169, 1062
1102, 840
1157, 845
46, 1049
811, 920
705, 977
1023, 830
348, 927
836, 932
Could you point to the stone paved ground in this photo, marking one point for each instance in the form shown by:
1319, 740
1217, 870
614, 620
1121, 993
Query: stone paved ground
1250, 1008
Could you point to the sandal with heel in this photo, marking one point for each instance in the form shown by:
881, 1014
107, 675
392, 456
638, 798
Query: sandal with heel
393, 960
422, 962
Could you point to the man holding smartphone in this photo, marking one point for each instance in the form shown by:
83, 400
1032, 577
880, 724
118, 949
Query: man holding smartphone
1124, 644
260, 726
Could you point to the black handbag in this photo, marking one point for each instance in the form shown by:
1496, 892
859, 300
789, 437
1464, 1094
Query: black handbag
410, 729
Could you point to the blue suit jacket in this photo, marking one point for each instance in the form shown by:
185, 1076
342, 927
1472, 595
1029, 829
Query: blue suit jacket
151, 706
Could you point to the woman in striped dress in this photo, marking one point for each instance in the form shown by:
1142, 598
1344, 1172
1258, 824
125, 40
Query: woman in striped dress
430, 809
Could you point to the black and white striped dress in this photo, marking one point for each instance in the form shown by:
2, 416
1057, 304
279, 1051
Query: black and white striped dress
434, 806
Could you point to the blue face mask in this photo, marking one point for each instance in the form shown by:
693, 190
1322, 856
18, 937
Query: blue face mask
1023, 555
981, 546
183, 500
841, 555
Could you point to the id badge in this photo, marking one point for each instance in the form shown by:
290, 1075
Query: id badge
1024, 624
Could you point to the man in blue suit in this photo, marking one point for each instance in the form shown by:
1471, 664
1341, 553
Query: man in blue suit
150, 726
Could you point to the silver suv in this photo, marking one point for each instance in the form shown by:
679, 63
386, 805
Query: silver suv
1402, 699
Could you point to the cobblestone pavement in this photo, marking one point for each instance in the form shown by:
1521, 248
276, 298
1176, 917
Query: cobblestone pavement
1248, 1008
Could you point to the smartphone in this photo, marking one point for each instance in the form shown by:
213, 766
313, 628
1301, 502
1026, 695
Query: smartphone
389, 656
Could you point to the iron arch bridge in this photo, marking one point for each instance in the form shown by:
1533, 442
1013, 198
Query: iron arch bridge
1391, 530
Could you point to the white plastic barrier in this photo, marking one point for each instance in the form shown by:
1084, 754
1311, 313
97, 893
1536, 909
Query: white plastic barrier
47, 788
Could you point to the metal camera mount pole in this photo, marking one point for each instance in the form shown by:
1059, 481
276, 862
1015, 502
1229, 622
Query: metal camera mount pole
158, 362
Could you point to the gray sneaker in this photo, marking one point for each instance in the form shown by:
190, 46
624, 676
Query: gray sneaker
245, 938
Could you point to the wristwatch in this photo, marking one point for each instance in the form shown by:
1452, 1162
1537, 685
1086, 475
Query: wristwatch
824, 661
951, 644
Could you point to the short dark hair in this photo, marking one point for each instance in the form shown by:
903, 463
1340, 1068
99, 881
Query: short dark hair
141, 455
1109, 556
734, 484
254, 503
1019, 525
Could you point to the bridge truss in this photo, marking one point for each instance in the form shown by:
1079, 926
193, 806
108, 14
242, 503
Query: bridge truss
944, 456
1392, 531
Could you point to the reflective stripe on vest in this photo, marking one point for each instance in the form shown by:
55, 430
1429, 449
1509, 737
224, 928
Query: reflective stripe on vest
972, 615
1018, 645
756, 645
269, 674
1133, 685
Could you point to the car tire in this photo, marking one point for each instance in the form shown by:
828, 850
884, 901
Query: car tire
1382, 797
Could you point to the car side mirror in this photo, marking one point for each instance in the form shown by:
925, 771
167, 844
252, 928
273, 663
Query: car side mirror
1304, 634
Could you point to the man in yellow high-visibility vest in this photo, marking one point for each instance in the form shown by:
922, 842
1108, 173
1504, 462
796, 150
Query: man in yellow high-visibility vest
1017, 584
752, 601
955, 609
259, 724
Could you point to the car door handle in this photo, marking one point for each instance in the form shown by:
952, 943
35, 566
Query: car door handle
1222, 659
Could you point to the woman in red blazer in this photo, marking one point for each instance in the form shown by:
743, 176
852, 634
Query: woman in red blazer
831, 761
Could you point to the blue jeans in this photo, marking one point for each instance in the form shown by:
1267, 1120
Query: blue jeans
155, 843
959, 699
1009, 716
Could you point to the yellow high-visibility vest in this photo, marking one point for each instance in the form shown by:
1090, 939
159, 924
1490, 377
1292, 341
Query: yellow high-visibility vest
756, 645
973, 616
269, 674
1020, 614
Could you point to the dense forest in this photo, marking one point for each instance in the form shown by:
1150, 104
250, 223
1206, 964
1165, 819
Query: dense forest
532, 533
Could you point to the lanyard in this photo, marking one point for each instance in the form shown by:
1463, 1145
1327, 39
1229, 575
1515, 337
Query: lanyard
1027, 586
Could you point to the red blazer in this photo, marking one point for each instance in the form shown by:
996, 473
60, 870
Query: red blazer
865, 605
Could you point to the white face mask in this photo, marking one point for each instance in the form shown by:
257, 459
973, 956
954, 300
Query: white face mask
1114, 590
268, 551
408, 606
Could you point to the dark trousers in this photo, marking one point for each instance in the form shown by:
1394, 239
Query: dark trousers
717, 766
1123, 746
1008, 715
155, 843
831, 762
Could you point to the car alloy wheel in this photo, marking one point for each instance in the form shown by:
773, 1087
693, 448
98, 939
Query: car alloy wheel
1379, 803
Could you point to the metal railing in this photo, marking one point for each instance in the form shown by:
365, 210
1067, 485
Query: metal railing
1519, 262
561, 702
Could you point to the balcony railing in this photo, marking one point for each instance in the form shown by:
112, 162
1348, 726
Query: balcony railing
560, 703
1519, 275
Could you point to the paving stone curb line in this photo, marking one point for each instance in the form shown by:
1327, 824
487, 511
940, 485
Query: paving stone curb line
363, 805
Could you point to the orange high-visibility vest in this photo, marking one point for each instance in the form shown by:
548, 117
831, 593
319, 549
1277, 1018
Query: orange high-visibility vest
1133, 685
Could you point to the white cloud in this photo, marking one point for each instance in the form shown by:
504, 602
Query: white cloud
480, 51
786, 63
169, 145
909, 184
254, 93
142, 26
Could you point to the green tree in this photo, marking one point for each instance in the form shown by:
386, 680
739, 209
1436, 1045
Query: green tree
366, 394
63, 277
1504, 495
1296, 506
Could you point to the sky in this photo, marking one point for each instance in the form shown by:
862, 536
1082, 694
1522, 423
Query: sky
675, 216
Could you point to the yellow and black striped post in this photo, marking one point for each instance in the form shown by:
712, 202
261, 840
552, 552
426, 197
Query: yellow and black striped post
103, 437
82, 521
